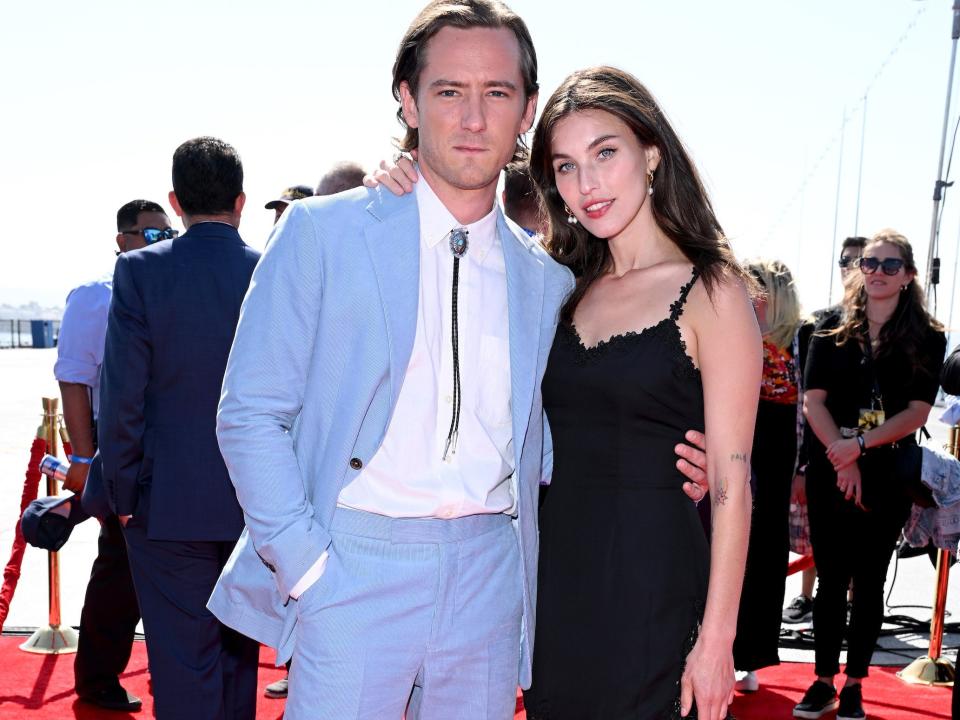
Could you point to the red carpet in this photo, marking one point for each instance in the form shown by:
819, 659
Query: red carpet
40, 687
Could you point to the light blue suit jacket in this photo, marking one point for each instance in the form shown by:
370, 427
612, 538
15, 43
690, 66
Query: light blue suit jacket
322, 346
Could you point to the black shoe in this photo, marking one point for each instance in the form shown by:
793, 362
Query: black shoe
800, 610
851, 703
115, 698
819, 699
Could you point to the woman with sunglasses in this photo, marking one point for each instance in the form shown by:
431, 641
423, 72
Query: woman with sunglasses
871, 379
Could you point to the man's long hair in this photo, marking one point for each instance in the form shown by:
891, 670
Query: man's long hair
464, 14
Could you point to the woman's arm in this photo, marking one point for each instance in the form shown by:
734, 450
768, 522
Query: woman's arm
819, 418
730, 358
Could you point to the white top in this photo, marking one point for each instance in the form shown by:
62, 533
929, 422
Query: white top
408, 477
82, 334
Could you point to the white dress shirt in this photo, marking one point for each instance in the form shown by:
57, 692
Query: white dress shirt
83, 331
408, 477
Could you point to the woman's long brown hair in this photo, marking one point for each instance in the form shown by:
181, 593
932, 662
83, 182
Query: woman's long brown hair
907, 329
681, 207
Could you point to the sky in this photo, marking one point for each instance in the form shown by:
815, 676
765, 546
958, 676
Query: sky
765, 94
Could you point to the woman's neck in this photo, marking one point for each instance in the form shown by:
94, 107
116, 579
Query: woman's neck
879, 311
640, 247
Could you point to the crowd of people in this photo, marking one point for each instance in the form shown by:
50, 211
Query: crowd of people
432, 448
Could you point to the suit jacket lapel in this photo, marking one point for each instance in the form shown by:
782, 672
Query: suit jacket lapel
525, 279
393, 242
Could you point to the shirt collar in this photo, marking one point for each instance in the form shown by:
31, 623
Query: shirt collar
436, 222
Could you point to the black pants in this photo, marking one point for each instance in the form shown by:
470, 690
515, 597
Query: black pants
761, 602
109, 617
851, 544
200, 668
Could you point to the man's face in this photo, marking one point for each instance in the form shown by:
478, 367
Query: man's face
132, 238
469, 108
278, 211
848, 260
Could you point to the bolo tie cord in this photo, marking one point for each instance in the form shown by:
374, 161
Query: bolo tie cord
458, 246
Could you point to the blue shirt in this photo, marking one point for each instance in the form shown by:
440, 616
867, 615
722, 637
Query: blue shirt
82, 333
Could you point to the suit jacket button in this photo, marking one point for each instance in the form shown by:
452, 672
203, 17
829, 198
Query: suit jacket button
356, 463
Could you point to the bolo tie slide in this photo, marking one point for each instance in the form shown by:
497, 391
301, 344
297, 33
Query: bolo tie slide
458, 246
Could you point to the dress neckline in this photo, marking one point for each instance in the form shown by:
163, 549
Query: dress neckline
676, 310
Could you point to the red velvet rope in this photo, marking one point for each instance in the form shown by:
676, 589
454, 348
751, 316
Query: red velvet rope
801, 563
31, 485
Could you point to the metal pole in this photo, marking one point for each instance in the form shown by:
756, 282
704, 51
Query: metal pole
836, 210
940, 184
53, 639
863, 142
51, 407
932, 669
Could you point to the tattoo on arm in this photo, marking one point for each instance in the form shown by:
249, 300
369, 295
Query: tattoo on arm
721, 496
740, 457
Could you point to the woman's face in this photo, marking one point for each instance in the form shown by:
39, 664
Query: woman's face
878, 284
601, 171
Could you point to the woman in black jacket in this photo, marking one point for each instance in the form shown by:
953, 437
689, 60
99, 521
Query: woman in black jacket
872, 376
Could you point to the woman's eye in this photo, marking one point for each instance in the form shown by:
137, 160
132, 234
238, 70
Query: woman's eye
607, 153
564, 168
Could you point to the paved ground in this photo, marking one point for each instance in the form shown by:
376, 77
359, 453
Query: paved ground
27, 375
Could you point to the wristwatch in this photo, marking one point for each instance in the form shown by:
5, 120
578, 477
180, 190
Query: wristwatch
863, 445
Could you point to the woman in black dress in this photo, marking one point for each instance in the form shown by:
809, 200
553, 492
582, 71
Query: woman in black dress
871, 378
636, 610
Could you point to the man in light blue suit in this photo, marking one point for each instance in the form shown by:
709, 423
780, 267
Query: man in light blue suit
381, 414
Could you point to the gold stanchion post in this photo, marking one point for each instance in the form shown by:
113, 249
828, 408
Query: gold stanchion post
931, 669
52, 639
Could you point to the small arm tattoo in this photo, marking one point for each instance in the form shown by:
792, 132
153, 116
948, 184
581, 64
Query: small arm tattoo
740, 457
721, 497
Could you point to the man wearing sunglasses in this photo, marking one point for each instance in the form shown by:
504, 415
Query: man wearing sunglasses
110, 613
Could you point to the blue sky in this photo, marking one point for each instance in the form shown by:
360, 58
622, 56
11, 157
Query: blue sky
97, 95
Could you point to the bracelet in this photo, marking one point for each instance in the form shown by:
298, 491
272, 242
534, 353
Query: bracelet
80, 459
863, 445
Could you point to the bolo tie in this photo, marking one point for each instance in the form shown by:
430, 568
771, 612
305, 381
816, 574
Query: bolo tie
458, 246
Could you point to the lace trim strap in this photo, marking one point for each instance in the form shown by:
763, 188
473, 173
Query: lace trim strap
676, 309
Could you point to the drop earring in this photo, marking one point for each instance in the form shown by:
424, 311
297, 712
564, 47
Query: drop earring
571, 218
649, 182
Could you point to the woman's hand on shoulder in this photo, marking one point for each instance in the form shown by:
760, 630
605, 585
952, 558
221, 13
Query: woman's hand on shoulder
398, 176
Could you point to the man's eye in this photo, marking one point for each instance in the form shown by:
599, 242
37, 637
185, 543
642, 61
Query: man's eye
448, 93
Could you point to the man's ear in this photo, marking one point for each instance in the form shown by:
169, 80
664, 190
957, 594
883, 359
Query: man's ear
121, 242
529, 113
409, 105
175, 204
238, 203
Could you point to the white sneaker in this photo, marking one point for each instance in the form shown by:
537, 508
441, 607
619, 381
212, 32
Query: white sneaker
747, 681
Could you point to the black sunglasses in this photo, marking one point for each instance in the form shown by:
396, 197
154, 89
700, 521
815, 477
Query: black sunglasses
847, 260
891, 266
152, 235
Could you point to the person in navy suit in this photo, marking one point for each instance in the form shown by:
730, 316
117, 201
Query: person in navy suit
170, 326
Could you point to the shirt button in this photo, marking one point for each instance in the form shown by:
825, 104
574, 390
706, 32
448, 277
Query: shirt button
356, 463
447, 399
